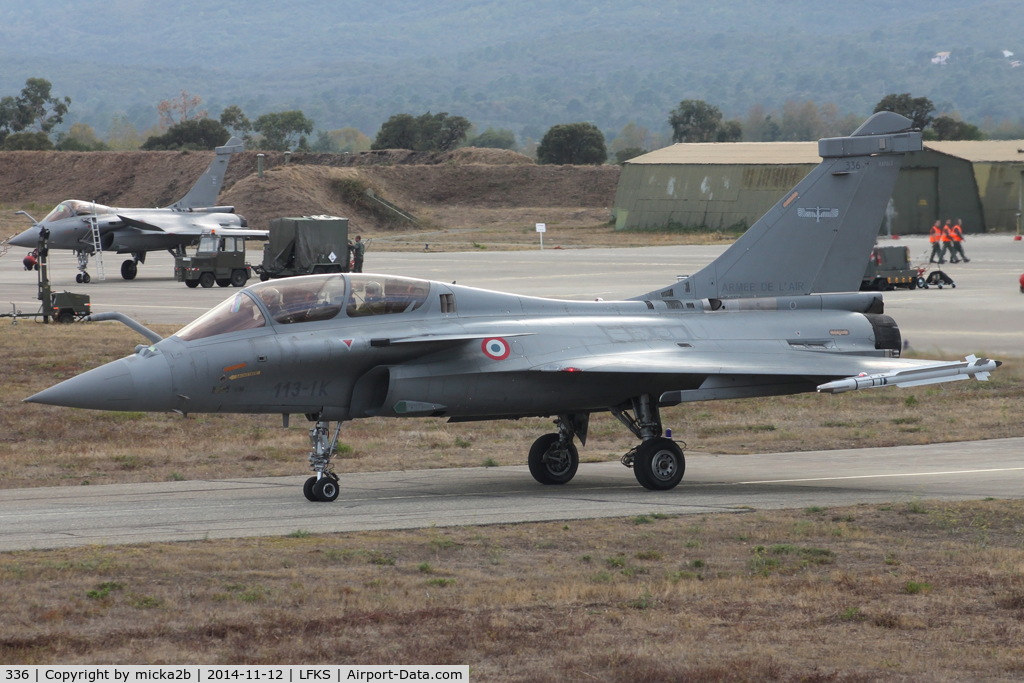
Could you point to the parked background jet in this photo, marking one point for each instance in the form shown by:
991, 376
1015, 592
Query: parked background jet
88, 228
770, 316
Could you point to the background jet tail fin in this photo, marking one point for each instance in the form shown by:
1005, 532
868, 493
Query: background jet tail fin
819, 236
204, 193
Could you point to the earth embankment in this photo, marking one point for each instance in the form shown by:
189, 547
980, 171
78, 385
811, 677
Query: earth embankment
449, 189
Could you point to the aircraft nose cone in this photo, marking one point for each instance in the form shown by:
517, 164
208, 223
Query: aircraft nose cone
29, 238
132, 383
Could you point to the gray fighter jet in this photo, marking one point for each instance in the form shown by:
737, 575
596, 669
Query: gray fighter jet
777, 313
88, 228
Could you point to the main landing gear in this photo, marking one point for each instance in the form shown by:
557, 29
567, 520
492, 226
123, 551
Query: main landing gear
657, 463
323, 487
130, 267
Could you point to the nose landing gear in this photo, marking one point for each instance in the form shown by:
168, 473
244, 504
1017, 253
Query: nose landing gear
83, 263
553, 458
323, 487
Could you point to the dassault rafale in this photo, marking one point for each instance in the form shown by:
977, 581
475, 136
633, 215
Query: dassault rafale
88, 228
777, 313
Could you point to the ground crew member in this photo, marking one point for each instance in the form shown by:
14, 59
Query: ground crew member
936, 239
958, 239
358, 250
947, 242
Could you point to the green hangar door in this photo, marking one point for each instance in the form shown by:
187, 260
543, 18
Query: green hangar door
915, 201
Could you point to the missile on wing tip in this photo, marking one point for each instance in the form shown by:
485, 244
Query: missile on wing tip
929, 374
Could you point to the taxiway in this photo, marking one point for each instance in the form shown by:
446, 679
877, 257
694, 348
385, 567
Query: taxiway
189, 510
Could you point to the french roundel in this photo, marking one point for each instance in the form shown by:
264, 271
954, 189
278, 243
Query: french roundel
496, 348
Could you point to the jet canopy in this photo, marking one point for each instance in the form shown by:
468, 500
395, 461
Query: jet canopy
310, 299
76, 207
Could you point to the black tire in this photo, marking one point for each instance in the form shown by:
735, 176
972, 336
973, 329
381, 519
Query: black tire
78, 278
953, 285
239, 278
86, 279
558, 467
326, 490
307, 489
65, 317
191, 284
264, 277
206, 280
913, 284
659, 464
223, 282
922, 283
318, 270
129, 270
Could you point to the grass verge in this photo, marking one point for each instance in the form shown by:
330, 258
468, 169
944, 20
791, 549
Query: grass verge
680, 598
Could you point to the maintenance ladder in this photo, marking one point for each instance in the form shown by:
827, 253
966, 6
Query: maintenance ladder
97, 244
5, 246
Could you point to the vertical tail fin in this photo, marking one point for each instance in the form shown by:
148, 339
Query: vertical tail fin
204, 193
818, 237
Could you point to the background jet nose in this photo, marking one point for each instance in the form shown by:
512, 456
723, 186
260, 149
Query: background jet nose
29, 238
132, 383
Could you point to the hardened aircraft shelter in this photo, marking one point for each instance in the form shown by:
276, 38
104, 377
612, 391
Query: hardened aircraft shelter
731, 185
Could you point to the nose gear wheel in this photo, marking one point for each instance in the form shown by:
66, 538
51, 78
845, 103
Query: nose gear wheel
324, 486
552, 462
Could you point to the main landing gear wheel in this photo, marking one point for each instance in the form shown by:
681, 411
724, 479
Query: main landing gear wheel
129, 269
83, 278
551, 463
307, 489
206, 280
325, 489
659, 464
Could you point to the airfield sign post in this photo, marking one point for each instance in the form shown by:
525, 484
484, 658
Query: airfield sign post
541, 229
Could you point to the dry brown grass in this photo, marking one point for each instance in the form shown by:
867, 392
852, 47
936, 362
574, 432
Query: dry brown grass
513, 229
917, 591
50, 446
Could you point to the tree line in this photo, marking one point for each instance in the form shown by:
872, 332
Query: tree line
28, 120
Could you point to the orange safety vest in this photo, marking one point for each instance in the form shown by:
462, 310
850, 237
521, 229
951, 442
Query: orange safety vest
947, 234
936, 234
958, 233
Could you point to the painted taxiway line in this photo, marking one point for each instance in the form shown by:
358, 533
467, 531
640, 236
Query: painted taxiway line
878, 476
